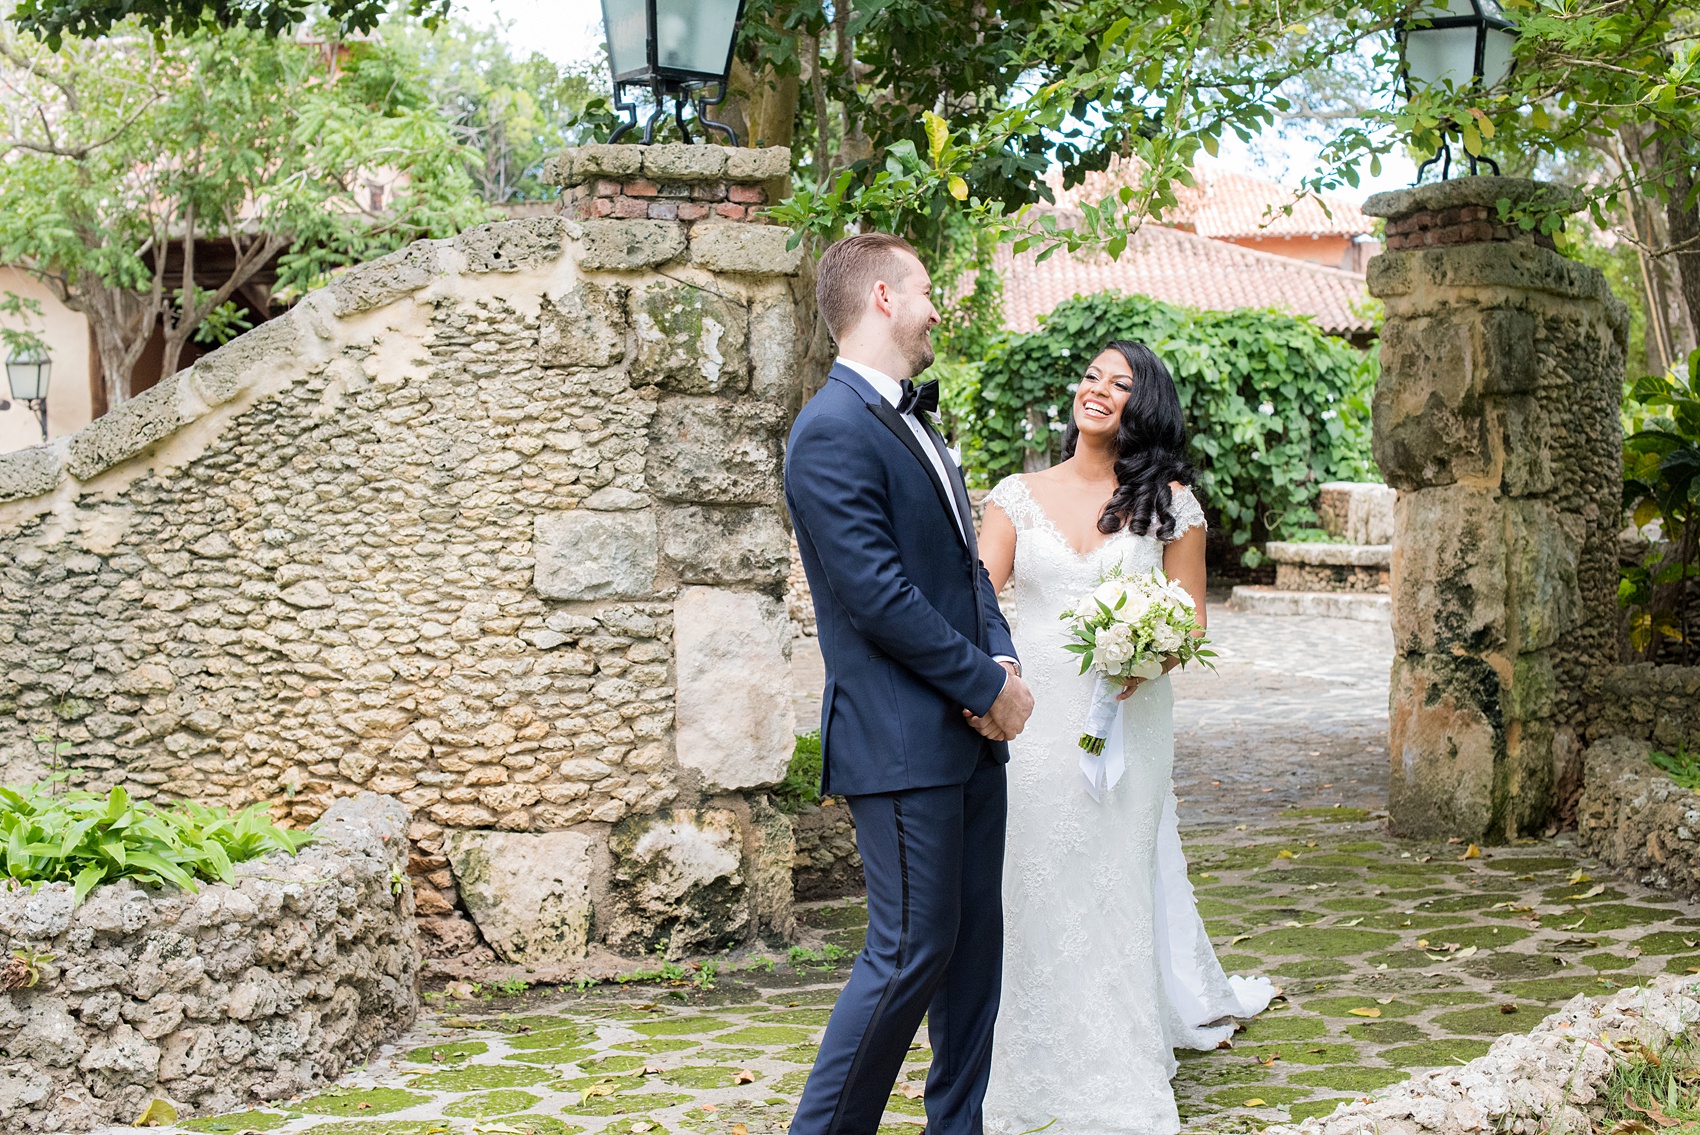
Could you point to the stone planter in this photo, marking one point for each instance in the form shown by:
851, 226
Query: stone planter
1331, 567
217, 999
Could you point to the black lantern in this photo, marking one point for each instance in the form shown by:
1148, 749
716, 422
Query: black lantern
679, 49
1463, 44
27, 371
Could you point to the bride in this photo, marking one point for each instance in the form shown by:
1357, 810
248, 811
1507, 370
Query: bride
1107, 967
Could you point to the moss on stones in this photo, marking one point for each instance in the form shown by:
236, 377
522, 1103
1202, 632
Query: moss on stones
814, 1017
1239, 963
1612, 916
1265, 1029
1350, 1079
657, 1044
768, 1034
1490, 1021
681, 1026
1271, 1095
1354, 903
1686, 964
237, 1121
559, 1037
481, 1077
1344, 1006
551, 1057
704, 1076
1504, 965
1328, 815
1317, 967
1209, 907
1302, 1052
443, 1053
798, 1054
487, 1104
791, 1084
611, 1065
1317, 942
1381, 1033
1608, 961
1528, 864
624, 1104
361, 1101
1317, 1109
1436, 1053
1551, 989
385, 1127
1665, 942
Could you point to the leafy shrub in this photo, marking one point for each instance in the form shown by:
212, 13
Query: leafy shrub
1274, 406
87, 839
801, 786
1661, 482
1682, 767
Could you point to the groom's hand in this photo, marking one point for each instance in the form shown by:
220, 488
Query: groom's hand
1009, 713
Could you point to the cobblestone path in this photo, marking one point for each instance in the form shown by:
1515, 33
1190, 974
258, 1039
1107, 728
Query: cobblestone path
1394, 955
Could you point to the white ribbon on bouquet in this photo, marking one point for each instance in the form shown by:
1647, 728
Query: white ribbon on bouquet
1101, 770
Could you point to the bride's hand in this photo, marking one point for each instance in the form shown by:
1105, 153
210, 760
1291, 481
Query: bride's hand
1132, 684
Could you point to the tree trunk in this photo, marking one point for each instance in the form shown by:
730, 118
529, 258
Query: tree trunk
122, 322
1682, 218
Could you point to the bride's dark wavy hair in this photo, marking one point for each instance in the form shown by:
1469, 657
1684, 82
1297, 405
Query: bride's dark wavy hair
1150, 448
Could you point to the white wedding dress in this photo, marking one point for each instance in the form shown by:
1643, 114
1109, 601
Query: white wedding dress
1107, 967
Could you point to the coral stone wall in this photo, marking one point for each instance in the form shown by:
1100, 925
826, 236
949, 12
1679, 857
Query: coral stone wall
491, 525
213, 1000
1496, 418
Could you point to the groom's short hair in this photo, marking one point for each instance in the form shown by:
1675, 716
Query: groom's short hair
849, 269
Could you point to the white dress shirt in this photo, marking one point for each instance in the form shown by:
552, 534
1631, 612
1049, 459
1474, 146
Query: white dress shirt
892, 391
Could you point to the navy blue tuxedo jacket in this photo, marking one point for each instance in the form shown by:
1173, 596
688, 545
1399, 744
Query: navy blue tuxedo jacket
907, 617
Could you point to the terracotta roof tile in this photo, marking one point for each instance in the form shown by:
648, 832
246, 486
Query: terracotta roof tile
1224, 204
1180, 268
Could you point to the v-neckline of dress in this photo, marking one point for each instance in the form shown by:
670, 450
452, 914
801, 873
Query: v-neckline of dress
1057, 532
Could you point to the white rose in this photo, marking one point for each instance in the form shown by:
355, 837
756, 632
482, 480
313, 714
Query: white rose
1138, 603
1109, 593
1166, 638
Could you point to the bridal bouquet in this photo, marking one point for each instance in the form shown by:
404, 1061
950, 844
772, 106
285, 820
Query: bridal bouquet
1125, 629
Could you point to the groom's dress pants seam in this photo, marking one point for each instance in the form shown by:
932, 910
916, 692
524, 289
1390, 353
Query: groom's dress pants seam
896, 974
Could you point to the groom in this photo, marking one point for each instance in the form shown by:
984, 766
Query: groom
923, 691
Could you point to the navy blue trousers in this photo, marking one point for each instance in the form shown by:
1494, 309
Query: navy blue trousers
933, 860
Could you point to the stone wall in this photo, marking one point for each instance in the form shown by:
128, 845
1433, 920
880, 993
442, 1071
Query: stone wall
492, 525
1637, 819
1496, 418
1647, 702
213, 1000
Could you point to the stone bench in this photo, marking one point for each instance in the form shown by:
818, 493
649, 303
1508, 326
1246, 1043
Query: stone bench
1331, 567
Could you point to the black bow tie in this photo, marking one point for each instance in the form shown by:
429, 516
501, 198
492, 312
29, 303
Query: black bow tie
924, 397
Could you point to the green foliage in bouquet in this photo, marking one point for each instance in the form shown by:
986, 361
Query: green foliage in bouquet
87, 839
1274, 406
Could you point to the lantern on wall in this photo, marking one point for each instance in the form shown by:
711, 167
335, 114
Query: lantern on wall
1462, 44
27, 372
679, 50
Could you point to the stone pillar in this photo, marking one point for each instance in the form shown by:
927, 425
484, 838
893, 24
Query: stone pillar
1496, 418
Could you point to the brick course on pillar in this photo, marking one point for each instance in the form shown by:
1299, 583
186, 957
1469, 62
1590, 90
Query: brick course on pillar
1496, 418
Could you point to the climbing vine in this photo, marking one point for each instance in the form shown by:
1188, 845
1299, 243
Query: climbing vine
1274, 406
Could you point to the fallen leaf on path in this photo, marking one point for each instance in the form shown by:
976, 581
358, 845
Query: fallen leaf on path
1238, 940
1466, 951
1364, 1012
1508, 1008
1471, 852
585, 1095
1353, 922
744, 1076
708, 1107
740, 1129
640, 1128
651, 1070
1285, 854
158, 1113
1580, 876
1596, 889
1653, 1112
1254, 1101
912, 1091
1269, 1061
461, 990
1224, 1043
1384, 1000
1629, 1127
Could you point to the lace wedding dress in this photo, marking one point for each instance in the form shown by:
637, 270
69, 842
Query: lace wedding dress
1107, 967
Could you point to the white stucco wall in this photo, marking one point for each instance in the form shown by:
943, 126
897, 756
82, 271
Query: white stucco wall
68, 395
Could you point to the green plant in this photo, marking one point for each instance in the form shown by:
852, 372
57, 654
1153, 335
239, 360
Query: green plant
1661, 482
1274, 406
1645, 1085
706, 971
85, 839
1682, 767
507, 987
801, 786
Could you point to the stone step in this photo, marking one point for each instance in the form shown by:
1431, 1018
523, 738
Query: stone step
1365, 606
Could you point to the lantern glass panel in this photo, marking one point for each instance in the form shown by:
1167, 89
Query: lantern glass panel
1496, 55
627, 23
1442, 9
693, 38
1434, 56
27, 376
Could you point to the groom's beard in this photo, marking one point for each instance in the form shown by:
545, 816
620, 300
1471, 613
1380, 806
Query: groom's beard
917, 346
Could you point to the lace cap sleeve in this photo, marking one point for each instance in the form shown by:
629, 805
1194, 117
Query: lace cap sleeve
1187, 511
1011, 495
